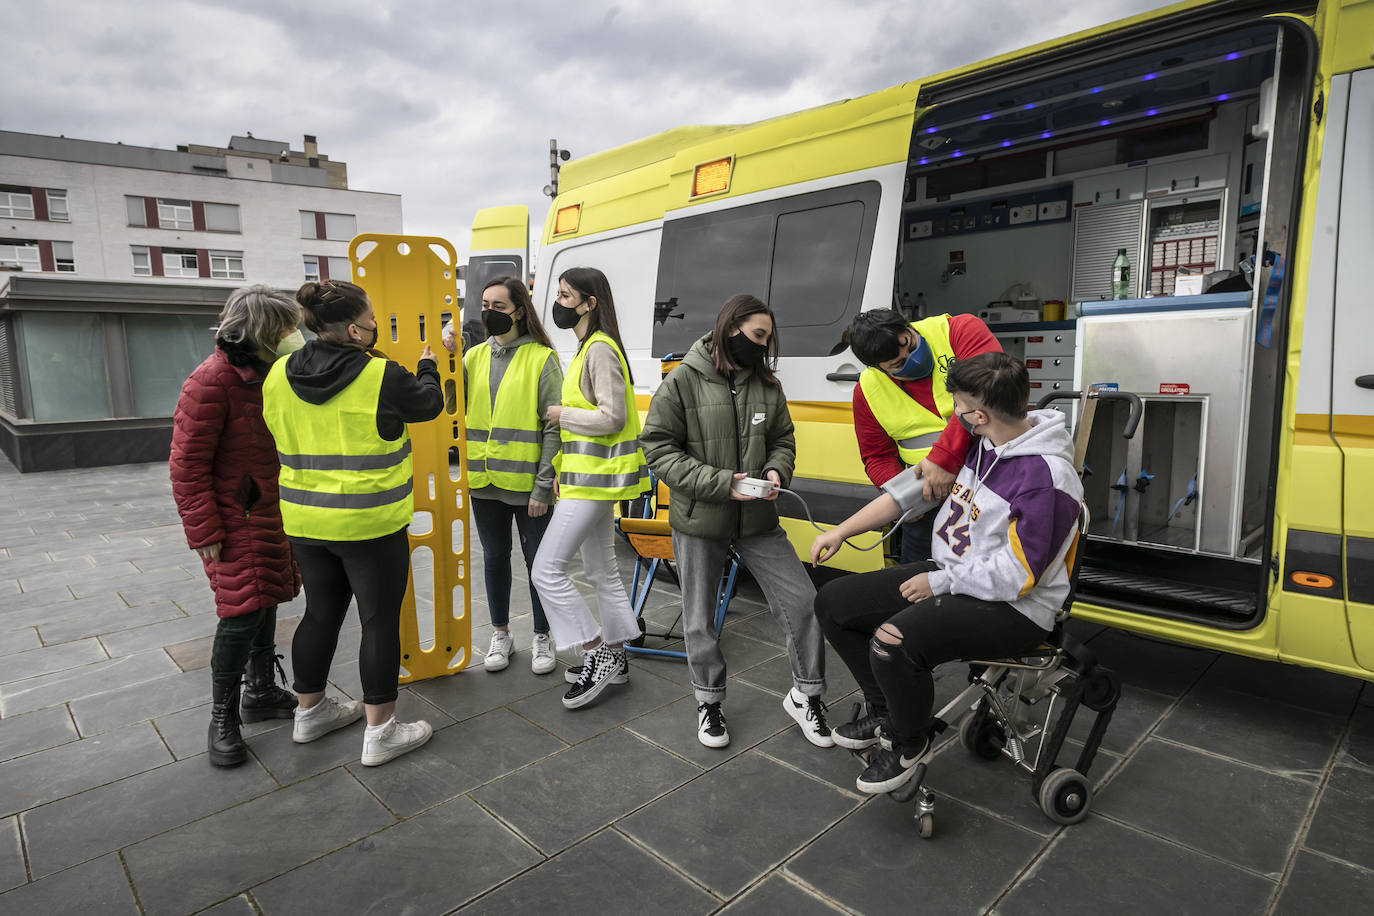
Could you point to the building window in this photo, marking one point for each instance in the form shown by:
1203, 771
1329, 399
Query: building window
180, 262
222, 217
308, 225
143, 262
20, 255
162, 350
16, 203
136, 211
65, 354
175, 214
226, 265
339, 269
57, 206
64, 257
312, 268
340, 226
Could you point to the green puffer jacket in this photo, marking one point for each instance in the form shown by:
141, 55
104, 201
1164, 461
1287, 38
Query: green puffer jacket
698, 435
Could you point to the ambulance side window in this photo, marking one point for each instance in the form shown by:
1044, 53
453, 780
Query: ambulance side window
807, 255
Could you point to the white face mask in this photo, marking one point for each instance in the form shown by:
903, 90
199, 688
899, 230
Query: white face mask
291, 343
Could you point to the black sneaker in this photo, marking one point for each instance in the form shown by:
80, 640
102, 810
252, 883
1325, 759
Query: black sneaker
598, 667
573, 673
861, 733
711, 725
891, 767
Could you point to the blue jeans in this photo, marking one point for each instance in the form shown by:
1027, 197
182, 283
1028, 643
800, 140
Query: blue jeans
493, 519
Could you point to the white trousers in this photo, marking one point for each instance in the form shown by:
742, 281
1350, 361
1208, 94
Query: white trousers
582, 525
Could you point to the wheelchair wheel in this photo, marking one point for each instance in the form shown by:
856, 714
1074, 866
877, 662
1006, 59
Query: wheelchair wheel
1101, 690
980, 736
1065, 796
925, 823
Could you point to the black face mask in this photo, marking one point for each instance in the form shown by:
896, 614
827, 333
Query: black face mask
496, 322
373, 343
965, 423
744, 352
565, 317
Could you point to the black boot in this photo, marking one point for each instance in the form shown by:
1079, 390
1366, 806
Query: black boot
226, 744
262, 698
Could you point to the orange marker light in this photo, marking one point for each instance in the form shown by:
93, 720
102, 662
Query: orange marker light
712, 177
1312, 580
567, 219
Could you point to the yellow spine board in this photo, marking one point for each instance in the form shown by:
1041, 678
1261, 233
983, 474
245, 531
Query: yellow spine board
411, 280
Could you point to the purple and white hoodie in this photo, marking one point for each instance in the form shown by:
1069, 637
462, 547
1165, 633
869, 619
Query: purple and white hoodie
1009, 521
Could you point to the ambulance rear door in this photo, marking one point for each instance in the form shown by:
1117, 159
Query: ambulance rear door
500, 247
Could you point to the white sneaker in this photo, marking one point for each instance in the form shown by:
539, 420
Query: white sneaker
387, 742
809, 712
324, 717
541, 654
498, 655
711, 725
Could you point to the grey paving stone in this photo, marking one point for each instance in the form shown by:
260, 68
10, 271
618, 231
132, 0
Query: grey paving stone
1257, 730
12, 872
458, 758
113, 621
99, 886
775, 894
83, 582
642, 884
474, 690
234, 906
558, 801
193, 595
158, 635
1308, 688
616, 705
80, 765
1340, 827
971, 860
1137, 714
137, 702
1101, 867
1151, 664
834, 765
1320, 885
751, 716
63, 686
716, 828
394, 871
12, 641
1358, 747
201, 863
741, 654
101, 582
185, 731
37, 662
36, 731
776, 675
89, 824
1255, 817
762, 626
57, 608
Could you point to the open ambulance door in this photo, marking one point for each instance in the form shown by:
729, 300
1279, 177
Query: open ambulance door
500, 247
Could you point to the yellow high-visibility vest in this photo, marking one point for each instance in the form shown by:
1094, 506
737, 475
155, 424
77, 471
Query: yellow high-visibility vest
913, 427
609, 467
340, 480
505, 433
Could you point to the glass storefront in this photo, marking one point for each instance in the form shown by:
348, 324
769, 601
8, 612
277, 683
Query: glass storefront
66, 361
163, 351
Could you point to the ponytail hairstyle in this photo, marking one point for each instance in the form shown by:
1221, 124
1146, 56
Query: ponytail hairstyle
737, 308
331, 305
590, 283
520, 298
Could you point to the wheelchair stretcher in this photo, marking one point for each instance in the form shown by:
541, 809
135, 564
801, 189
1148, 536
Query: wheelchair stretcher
1023, 708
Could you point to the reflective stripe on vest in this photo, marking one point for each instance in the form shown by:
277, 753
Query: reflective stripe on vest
609, 467
912, 426
340, 480
505, 433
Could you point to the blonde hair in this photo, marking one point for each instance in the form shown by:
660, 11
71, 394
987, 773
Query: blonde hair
259, 315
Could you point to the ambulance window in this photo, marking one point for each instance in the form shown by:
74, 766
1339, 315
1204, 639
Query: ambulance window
815, 258
482, 268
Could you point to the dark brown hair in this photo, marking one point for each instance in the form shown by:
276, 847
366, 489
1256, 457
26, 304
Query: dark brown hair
736, 309
999, 381
590, 283
875, 336
520, 298
328, 304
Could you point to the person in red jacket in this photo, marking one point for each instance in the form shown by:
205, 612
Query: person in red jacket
224, 479
903, 416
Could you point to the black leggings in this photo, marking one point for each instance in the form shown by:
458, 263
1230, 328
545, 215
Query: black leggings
333, 572
896, 680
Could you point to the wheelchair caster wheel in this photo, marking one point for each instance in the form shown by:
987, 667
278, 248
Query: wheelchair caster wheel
981, 737
1101, 690
1065, 796
925, 823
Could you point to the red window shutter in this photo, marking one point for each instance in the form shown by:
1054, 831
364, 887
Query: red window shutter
155, 253
40, 209
319, 225
150, 211
324, 266
45, 257
198, 216
203, 261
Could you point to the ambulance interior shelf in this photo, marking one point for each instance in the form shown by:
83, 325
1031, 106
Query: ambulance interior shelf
1239, 299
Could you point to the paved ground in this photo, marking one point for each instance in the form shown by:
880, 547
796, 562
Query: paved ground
1227, 786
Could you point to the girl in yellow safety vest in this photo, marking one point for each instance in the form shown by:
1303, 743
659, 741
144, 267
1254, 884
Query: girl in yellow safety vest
600, 463
511, 380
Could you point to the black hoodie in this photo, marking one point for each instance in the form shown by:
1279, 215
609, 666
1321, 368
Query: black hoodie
321, 370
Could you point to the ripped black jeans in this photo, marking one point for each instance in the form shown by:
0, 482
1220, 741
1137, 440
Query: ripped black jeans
896, 680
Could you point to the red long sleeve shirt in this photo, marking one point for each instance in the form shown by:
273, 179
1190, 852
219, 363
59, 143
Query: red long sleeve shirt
968, 336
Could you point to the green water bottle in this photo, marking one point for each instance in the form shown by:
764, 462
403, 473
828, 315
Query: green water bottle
1121, 275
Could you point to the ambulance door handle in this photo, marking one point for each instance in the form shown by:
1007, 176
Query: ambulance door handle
1365, 381
842, 376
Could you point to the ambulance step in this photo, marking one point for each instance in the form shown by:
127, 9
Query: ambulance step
1165, 593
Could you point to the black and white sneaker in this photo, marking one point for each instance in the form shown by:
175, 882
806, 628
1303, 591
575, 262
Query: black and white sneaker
711, 725
599, 666
809, 713
861, 733
573, 673
890, 767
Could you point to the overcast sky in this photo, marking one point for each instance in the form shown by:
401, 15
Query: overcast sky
452, 104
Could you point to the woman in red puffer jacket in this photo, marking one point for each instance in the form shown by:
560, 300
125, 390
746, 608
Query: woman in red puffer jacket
224, 479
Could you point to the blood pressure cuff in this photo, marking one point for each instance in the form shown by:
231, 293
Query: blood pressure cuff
908, 490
